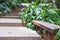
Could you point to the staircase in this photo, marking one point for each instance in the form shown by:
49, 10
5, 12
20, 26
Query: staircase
10, 22
11, 28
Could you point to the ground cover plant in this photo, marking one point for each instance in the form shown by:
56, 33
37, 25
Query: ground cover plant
7, 5
41, 11
44, 12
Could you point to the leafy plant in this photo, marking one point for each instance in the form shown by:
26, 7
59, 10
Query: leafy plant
40, 11
13, 3
7, 5
2, 0
57, 37
57, 2
4, 8
44, 1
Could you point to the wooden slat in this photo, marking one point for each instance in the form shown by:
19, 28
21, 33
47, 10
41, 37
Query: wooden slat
47, 26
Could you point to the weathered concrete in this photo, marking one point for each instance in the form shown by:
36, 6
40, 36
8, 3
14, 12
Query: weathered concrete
18, 33
10, 22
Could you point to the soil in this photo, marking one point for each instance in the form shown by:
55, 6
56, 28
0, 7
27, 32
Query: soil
15, 11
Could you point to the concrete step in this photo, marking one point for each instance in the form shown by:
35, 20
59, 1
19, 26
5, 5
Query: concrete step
10, 22
18, 33
17, 17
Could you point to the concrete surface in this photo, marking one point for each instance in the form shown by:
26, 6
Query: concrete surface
17, 32
8, 20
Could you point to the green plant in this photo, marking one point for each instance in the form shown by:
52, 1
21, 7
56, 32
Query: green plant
57, 37
7, 5
44, 12
2, 0
4, 8
39, 12
57, 2
13, 3
44, 1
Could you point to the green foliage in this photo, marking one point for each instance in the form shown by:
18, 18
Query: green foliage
30, 1
27, 1
7, 5
29, 25
58, 35
2, 0
4, 8
43, 12
45, 1
57, 2
13, 3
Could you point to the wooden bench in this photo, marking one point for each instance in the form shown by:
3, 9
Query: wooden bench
49, 29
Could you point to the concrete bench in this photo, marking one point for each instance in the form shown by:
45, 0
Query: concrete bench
18, 33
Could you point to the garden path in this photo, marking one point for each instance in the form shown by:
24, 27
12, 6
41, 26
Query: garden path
11, 28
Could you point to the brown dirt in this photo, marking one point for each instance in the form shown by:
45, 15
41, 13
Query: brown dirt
15, 11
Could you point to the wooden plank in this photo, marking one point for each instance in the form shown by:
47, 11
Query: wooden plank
47, 26
49, 29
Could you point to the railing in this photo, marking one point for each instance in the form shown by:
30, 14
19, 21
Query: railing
50, 30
